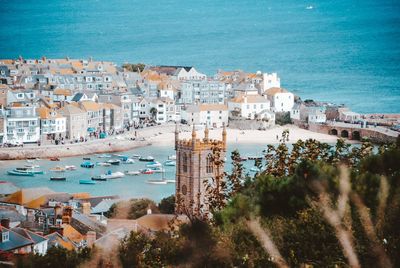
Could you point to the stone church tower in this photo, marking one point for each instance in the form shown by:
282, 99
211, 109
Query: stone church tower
194, 166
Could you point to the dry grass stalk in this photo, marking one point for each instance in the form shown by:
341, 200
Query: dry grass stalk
267, 243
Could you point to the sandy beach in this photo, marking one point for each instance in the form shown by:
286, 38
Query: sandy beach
159, 135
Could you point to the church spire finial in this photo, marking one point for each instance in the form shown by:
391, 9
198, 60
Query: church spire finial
206, 133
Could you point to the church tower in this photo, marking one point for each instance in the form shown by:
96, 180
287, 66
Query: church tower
194, 166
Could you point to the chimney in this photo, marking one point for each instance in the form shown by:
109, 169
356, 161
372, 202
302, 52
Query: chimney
53, 229
86, 208
5, 223
90, 238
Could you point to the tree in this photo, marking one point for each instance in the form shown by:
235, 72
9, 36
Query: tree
167, 205
138, 67
139, 207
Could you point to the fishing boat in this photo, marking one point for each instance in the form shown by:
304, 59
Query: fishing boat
86, 182
58, 179
32, 166
132, 173
254, 157
147, 171
54, 159
104, 156
57, 169
15, 172
243, 158
170, 163
153, 164
98, 178
87, 164
114, 162
104, 164
158, 170
71, 167
136, 156
118, 155
129, 161
146, 159
156, 181
172, 157
29, 169
113, 175
86, 158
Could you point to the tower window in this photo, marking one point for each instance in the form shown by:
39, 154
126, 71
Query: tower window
209, 164
185, 163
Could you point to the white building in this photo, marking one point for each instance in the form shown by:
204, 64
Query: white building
281, 99
202, 91
212, 115
189, 73
271, 80
249, 106
22, 125
52, 124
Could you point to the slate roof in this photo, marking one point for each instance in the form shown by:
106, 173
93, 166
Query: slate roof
35, 238
15, 240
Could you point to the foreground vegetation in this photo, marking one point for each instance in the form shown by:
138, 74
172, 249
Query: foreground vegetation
313, 205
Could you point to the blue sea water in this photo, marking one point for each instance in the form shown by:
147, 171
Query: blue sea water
343, 51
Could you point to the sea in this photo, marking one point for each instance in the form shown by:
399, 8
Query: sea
340, 51
126, 187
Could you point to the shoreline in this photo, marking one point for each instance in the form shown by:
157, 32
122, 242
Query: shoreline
161, 135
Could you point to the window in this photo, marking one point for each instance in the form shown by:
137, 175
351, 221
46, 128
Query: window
209, 164
5, 236
185, 162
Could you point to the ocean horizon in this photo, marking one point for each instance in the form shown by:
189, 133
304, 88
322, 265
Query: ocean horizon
345, 52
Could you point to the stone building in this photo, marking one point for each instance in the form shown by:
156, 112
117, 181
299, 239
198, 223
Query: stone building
195, 167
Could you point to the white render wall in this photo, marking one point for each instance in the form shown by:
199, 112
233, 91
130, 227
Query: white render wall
271, 80
283, 102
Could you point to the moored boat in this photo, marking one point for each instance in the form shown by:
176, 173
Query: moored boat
104, 164
170, 163
170, 181
146, 159
71, 167
86, 158
153, 164
156, 181
158, 170
129, 161
135, 156
98, 178
14, 172
54, 159
114, 162
113, 175
29, 169
86, 182
254, 169
132, 173
147, 171
57, 169
87, 164
104, 156
172, 157
58, 178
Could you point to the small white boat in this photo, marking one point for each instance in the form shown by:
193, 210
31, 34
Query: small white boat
170, 181
309, 7
132, 173
136, 156
156, 181
129, 161
170, 163
114, 162
153, 164
146, 159
32, 166
254, 169
104, 156
172, 157
113, 175
158, 170
103, 164
71, 167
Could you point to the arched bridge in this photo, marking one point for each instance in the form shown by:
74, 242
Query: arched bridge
356, 131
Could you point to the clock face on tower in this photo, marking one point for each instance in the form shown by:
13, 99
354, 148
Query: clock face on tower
184, 189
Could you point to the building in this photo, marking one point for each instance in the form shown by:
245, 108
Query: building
249, 106
76, 123
195, 165
281, 99
271, 80
113, 117
94, 115
53, 125
213, 115
22, 125
202, 91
